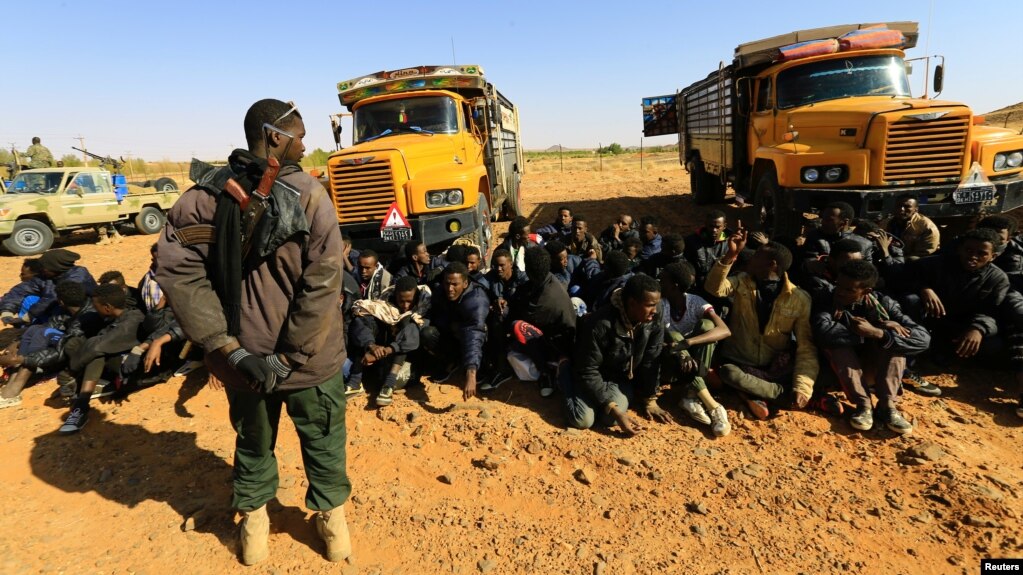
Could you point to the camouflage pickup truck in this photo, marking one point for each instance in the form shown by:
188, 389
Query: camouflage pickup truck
40, 204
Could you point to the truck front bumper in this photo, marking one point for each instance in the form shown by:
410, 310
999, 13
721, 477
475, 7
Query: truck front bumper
935, 201
434, 229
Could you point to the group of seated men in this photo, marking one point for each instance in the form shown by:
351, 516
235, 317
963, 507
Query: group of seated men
606, 321
97, 338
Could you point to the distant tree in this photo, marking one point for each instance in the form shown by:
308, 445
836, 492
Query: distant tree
71, 160
611, 149
316, 158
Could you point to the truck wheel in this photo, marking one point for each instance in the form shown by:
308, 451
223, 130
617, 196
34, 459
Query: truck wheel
166, 185
150, 220
707, 188
29, 237
511, 206
772, 216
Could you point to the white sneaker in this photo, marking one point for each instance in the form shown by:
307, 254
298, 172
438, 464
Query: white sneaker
694, 409
719, 421
10, 401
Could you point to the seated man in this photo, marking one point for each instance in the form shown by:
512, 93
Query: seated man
102, 352
866, 338
373, 278
613, 238
835, 224
648, 227
543, 305
961, 298
767, 312
673, 248
418, 264
517, 241
572, 271
823, 273
919, 235
458, 327
889, 256
617, 359
132, 293
385, 331
14, 304
58, 266
692, 330
633, 251
474, 263
707, 245
159, 355
582, 243
560, 229
503, 281
1009, 256
597, 292
43, 346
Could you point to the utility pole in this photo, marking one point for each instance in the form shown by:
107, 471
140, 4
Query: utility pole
131, 168
81, 144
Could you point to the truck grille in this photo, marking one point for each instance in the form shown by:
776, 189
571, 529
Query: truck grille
362, 192
924, 150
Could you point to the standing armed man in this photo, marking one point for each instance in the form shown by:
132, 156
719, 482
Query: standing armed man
256, 282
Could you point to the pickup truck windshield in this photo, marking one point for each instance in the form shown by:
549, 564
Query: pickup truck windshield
426, 115
842, 78
45, 183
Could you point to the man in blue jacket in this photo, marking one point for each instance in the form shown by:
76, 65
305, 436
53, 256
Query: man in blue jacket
458, 326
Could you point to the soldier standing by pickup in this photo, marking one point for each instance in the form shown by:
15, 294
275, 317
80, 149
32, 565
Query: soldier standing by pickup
251, 264
40, 154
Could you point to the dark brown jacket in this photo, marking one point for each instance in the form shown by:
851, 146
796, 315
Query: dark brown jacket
289, 302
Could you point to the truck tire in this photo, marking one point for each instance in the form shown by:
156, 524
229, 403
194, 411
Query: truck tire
29, 237
773, 218
483, 235
150, 220
707, 187
511, 206
165, 185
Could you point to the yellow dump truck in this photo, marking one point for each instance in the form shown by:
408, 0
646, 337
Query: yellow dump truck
814, 116
440, 142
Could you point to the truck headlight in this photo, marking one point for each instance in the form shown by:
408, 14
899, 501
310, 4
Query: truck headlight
442, 198
829, 174
1008, 160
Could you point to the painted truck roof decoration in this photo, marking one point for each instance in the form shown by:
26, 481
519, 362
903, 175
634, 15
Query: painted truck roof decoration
816, 41
408, 79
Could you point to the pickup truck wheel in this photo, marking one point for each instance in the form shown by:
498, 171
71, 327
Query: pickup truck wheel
707, 188
29, 237
166, 185
150, 220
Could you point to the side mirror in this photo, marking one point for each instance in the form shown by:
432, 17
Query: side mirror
939, 78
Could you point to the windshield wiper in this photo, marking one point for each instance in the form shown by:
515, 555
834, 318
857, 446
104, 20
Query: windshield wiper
419, 130
386, 132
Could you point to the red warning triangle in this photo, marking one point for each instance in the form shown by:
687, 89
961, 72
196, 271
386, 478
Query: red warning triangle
394, 218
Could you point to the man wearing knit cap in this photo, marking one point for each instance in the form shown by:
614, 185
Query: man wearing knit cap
59, 266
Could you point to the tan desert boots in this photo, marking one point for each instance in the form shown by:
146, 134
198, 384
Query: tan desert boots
334, 530
255, 530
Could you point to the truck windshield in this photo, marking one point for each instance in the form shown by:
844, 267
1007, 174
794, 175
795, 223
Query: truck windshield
429, 114
36, 183
842, 78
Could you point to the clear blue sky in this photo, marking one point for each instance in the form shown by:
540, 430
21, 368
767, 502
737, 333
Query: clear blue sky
169, 79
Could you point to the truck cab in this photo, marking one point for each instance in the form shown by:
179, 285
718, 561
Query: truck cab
440, 142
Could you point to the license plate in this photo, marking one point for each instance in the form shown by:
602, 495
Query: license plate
396, 234
974, 195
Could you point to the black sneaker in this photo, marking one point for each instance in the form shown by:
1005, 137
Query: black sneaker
384, 397
74, 422
895, 422
862, 419
913, 381
495, 382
